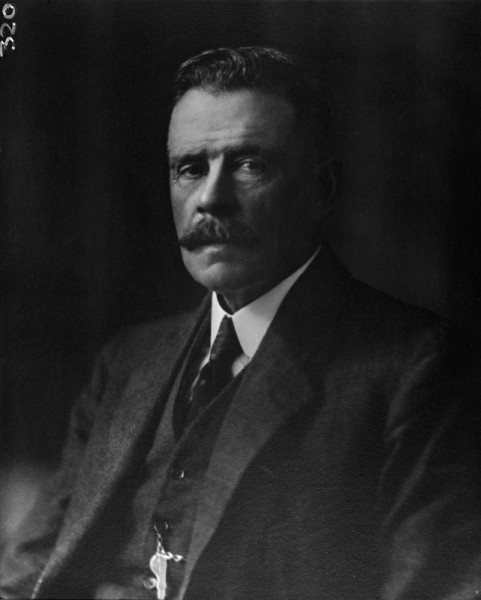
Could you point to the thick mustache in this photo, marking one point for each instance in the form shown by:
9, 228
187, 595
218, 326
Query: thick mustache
217, 232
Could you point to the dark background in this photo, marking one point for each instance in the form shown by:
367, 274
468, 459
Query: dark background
86, 236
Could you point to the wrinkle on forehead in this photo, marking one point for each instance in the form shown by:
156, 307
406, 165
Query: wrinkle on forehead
224, 120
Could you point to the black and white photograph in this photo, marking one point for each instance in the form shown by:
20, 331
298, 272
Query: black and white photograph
240, 308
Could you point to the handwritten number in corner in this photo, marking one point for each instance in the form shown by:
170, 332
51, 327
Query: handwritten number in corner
7, 30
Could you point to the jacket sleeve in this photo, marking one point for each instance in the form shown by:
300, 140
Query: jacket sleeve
27, 552
431, 484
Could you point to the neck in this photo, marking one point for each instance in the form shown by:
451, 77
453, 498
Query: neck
231, 302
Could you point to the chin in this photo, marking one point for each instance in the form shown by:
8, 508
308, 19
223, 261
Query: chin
223, 283
223, 278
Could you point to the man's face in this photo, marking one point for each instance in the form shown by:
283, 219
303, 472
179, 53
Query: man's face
244, 190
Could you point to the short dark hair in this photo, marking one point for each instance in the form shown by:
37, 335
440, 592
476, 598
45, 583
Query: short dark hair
261, 68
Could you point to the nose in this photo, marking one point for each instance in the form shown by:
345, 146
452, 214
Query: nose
216, 192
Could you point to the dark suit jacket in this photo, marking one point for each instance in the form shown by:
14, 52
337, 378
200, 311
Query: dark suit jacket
345, 467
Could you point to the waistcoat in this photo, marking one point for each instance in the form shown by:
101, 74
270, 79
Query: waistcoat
167, 491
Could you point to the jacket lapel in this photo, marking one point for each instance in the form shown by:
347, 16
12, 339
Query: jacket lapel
120, 437
277, 383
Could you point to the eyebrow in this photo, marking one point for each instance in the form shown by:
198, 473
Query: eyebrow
230, 152
188, 156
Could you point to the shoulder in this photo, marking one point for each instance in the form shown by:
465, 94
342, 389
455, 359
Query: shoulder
371, 310
406, 347
405, 363
366, 318
375, 331
386, 331
133, 346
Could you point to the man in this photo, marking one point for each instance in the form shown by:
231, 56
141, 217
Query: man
301, 436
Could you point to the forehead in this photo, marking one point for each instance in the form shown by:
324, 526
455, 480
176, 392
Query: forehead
204, 120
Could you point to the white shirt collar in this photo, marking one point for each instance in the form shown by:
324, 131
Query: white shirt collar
252, 321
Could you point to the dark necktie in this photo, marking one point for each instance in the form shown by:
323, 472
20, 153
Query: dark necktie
217, 372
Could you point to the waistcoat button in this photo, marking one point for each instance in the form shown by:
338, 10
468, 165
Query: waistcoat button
164, 526
148, 583
178, 473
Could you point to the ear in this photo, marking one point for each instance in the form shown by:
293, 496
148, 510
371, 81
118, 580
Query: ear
329, 180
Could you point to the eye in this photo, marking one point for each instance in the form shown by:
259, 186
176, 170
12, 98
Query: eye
251, 166
188, 171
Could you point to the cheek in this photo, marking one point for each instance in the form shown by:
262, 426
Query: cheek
279, 215
290, 226
178, 210
262, 208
